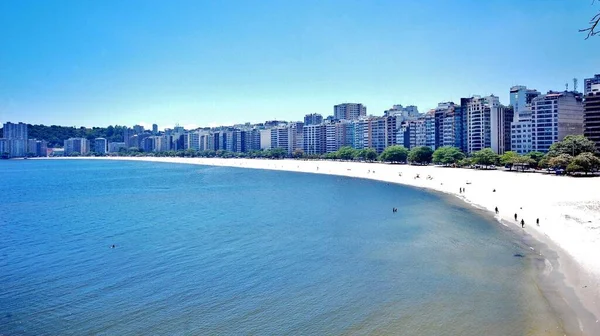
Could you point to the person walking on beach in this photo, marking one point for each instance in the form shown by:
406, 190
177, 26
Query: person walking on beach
522, 223
515, 216
496, 210
537, 221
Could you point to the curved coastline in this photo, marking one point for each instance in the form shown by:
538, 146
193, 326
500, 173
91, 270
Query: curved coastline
568, 210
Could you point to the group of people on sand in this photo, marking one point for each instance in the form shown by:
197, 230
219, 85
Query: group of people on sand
537, 220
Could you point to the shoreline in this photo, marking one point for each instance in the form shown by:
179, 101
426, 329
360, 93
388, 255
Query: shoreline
568, 210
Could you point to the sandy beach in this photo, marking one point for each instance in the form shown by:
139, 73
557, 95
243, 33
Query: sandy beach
568, 210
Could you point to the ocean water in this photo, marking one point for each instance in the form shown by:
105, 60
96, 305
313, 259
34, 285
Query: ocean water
226, 251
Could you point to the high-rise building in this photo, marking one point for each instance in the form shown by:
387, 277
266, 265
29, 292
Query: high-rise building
126, 135
509, 115
554, 116
279, 137
449, 125
265, 139
589, 82
478, 114
520, 134
431, 138
4, 148
15, 131
77, 145
100, 145
377, 134
295, 136
16, 139
138, 129
591, 119
115, 147
313, 119
408, 112
32, 147
148, 144
314, 139
349, 111
360, 132
154, 129
331, 137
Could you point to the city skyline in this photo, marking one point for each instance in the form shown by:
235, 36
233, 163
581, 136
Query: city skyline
143, 63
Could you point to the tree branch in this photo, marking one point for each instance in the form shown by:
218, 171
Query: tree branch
591, 30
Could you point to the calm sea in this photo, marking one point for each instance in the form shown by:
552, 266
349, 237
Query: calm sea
226, 251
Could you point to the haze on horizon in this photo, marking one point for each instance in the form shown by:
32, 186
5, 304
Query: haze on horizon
80, 63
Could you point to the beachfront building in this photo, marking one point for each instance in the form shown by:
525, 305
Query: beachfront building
349, 111
331, 137
100, 146
4, 148
115, 147
449, 125
360, 133
16, 139
554, 116
414, 133
430, 130
295, 136
147, 145
154, 129
313, 119
377, 134
265, 139
591, 118
76, 145
520, 127
280, 137
15, 131
127, 134
589, 82
37, 147
478, 114
315, 139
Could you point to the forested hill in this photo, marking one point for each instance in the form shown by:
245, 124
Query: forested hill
56, 135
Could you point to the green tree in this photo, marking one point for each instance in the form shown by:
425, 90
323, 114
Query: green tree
572, 145
447, 155
421, 155
560, 162
75, 154
586, 162
298, 153
508, 158
465, 162
536, 157
485, 157
367, 154
346, 153
394, 154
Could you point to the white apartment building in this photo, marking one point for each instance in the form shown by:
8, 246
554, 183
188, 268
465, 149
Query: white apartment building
520, 132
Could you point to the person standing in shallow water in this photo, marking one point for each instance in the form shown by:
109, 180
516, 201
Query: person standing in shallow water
522, 223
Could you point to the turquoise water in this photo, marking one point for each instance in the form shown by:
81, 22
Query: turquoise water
212, 250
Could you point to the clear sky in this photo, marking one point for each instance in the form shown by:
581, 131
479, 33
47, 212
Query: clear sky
95, 63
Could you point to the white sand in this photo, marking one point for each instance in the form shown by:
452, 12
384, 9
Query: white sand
568, 208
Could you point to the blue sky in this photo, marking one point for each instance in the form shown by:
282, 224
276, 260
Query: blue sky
95, 63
